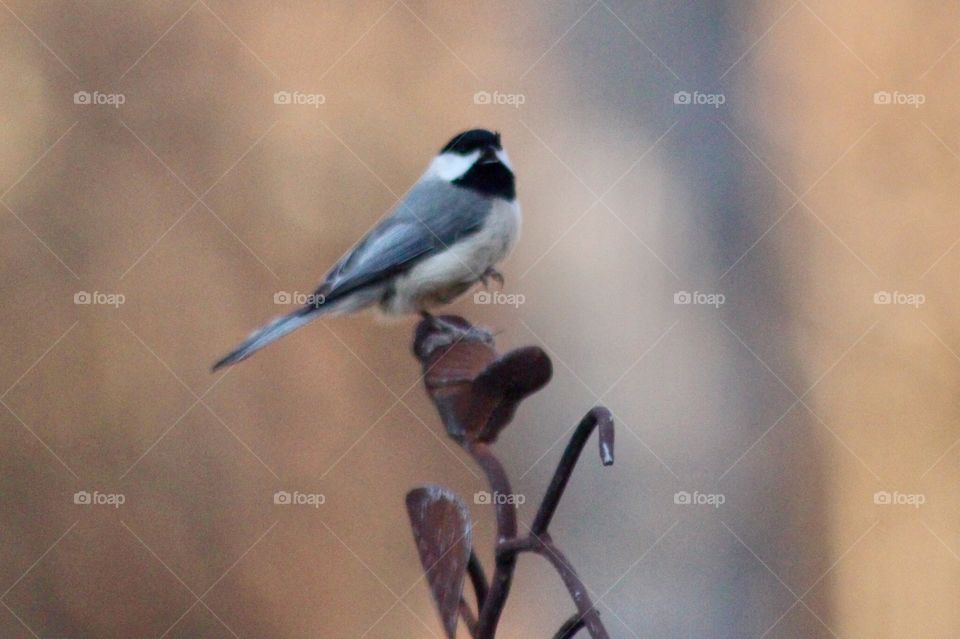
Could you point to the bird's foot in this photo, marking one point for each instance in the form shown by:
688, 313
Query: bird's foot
491, 274
455, 329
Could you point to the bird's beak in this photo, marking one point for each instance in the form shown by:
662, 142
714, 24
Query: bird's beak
489, 156
504, 158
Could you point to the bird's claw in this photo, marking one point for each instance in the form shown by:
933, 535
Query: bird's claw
457, 332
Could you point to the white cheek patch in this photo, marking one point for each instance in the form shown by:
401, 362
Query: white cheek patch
449, 166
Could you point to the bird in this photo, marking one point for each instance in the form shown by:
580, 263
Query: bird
447, 233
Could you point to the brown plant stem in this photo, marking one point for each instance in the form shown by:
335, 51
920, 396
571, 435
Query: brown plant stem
506, 515
476, 393
477, 578
578, 592
570, 627
543, 545
596, 416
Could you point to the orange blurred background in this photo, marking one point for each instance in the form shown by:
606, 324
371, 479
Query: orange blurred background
740, 236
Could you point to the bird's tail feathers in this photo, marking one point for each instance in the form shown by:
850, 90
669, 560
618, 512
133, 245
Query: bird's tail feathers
270, 333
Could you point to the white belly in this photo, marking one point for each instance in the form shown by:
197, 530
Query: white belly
442, 277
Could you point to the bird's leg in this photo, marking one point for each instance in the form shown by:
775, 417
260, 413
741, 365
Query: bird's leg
491, 274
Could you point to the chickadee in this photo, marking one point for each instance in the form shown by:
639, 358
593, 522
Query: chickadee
449, 231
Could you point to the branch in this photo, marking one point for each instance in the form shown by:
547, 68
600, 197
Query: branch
570, 627
476, 392
598, 416
478, 579
588, 614
506, 514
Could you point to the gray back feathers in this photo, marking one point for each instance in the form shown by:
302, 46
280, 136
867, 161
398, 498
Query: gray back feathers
432, 216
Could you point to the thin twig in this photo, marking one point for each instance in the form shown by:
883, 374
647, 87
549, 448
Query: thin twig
506, 529
468, 618
578, 592
570, 627
477, 578
597, 416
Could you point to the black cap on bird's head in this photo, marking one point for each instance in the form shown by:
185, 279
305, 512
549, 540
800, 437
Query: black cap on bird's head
472, 140
490, 173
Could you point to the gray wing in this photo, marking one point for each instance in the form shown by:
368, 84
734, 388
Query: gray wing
432, 216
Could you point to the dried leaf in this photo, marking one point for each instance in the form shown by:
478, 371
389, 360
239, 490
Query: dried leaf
510, 380
442, 532
476, 393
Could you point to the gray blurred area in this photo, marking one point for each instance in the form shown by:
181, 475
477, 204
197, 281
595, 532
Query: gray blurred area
739, 236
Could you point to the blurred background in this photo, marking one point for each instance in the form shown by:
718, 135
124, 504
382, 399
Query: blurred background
740, 235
